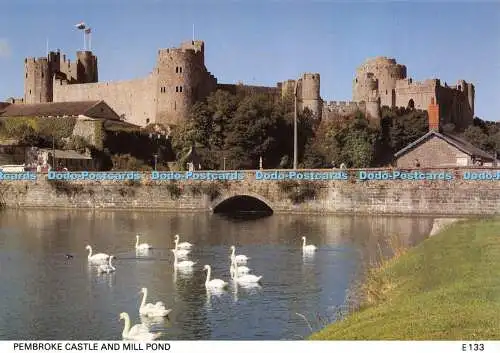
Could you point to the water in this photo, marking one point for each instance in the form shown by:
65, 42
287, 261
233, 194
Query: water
45, 296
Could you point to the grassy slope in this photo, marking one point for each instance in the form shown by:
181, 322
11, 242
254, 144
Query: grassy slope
445, 288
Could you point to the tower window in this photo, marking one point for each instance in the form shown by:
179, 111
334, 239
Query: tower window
175, 105
180, 89
177, 88
30, 91
26, 75
180, 69
42, 74
176, 69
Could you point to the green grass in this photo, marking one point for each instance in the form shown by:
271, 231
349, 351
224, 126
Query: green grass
446, 288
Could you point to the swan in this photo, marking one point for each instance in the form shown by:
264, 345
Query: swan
245, 279
180, 252
138, 332
215, 283
107, 268
242, 270
97, 257
184, 245
183, 264
152, 310
143, 246
307, 247
239, 259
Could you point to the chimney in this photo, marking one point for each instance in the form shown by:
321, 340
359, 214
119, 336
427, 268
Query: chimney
433, 112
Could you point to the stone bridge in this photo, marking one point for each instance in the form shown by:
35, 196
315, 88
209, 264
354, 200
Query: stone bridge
472, 191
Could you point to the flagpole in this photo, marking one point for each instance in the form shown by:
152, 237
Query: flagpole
47, 45
193, 31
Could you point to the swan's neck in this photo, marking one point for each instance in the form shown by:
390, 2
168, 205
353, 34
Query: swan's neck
90, 252
145, 294
208, 275
176, 243
136, 241
233, 253
126, 329
110, 264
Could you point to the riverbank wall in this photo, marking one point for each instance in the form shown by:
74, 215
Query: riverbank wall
455, 196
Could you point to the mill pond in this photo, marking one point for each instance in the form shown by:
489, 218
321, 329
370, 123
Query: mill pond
49, 291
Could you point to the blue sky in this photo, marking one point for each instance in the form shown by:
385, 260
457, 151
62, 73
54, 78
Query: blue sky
261, 42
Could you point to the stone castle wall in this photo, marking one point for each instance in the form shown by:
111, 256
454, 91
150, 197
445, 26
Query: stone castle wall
455, 197
135, 99
336, 109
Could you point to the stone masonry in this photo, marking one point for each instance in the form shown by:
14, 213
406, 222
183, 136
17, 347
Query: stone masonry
455, 197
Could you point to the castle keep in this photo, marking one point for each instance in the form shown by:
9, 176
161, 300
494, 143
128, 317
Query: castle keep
180, 78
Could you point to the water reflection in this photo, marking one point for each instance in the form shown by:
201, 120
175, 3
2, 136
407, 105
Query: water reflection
40, 284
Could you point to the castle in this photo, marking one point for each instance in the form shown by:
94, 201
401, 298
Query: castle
180, 78
381, 81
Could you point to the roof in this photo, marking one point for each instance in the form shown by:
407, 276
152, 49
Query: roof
67, 154
48, 109
457, 142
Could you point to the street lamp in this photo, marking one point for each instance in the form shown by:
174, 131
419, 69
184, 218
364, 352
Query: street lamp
295, 126
156, 159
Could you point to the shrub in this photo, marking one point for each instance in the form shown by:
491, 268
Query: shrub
174, 190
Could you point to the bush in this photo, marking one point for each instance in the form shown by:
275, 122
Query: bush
128, 162
174, 190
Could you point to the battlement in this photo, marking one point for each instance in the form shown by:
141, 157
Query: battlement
310, 76
408, 82
335, 104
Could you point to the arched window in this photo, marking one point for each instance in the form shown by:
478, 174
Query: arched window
411, 104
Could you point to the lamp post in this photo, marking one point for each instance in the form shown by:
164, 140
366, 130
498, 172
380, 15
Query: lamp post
156, 159
54, 152
295, 157
224, 163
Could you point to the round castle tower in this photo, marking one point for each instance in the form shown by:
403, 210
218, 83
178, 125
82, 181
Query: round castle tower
376, 80
310, 93
180, 77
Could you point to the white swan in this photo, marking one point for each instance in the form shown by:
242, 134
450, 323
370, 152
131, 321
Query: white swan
307, 248
184, 245
245, 279
239, 259
183, 264
152, 310
180, 252
138, 332
97, 257
242, 270
107, 268
143, 246
215, 283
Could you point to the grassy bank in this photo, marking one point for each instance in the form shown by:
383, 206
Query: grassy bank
445, 288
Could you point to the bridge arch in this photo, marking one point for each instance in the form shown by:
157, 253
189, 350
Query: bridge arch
241, 202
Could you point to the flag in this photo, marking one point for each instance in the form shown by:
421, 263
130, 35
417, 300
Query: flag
80, 25
88, 30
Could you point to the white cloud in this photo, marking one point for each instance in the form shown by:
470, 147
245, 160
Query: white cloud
4, 48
